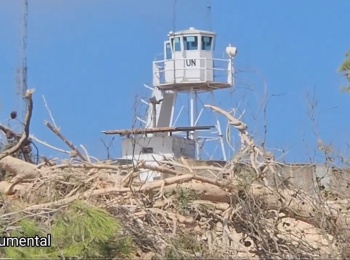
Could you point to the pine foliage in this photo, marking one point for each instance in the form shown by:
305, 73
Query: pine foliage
77, 231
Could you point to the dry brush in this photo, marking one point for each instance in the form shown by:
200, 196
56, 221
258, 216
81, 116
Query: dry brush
237, 213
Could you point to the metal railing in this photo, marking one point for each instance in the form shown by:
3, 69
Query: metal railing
215, 70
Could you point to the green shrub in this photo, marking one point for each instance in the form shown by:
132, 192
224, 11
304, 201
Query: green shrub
78, 231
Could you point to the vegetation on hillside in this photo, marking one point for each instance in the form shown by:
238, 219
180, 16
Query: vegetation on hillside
95, 209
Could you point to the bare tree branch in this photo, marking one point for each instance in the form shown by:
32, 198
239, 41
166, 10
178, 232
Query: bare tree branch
25, 134
69, 144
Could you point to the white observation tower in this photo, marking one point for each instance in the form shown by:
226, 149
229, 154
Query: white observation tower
188, 67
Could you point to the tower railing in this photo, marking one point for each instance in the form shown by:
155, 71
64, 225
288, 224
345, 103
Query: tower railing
218, 68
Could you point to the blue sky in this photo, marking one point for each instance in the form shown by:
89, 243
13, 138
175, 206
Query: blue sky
90, 58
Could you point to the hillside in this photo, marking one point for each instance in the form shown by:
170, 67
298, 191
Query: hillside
243, 209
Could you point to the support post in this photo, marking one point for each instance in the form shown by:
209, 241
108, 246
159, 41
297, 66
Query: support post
221, 140
192, 111
154, 111
195, 117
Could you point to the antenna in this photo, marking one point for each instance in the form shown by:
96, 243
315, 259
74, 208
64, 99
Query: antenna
174, 15
22, 73
209, 14
174, 30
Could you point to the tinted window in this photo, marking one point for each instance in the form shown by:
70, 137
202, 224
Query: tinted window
206, 43
176, 44
168, 51
191, 43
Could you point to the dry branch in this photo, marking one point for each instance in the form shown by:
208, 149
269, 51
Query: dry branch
7, 188
48, 145
240, 126
21, 169
69, 144
25, 134
10, 133
266, 162
89, 166
204, 191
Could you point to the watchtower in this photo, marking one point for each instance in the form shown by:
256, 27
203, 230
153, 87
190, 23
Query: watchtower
188, 67
189, 63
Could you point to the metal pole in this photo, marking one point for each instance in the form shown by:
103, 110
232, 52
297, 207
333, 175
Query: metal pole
192, 111
154, 115
218, 127
221, 140
195, 115
22, 88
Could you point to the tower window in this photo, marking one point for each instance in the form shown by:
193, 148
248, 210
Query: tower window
168, 51
191, 43
147, 150
206, 43
175, 42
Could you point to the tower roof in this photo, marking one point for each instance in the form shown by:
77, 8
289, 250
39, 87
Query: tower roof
191, 30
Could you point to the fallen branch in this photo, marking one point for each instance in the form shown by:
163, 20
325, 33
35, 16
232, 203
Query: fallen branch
91, 166
48, 145
7, 188
69, 144
25, 134
10, 133
86, 153
21, 169
49, 111
246, 141
240, 126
